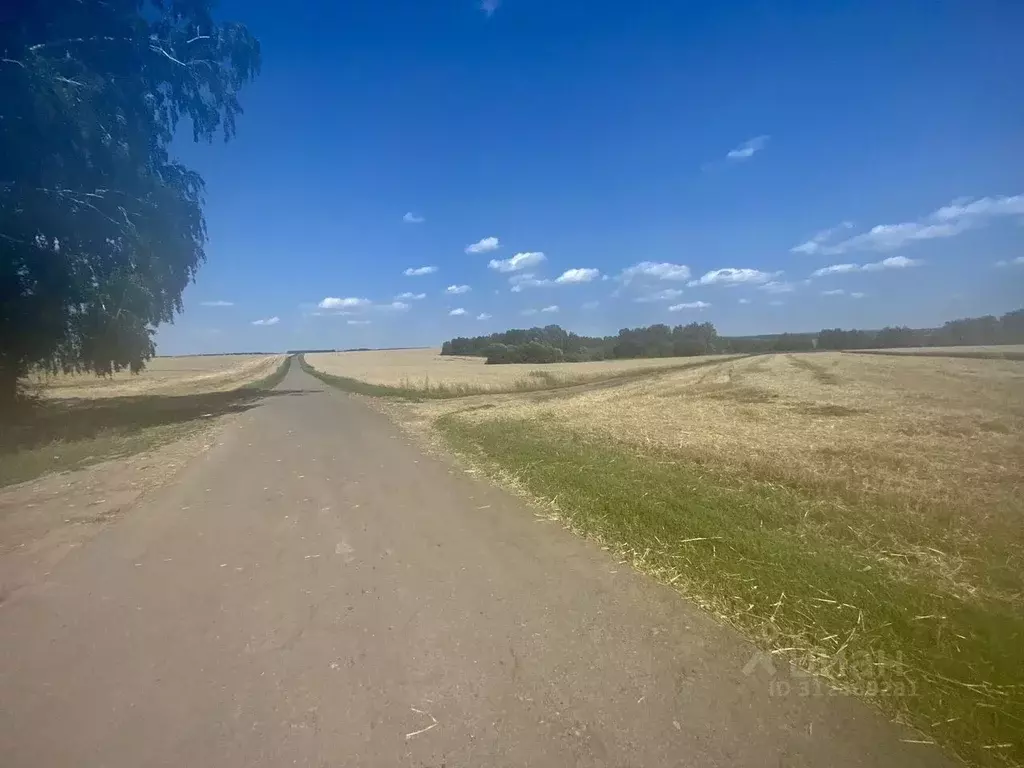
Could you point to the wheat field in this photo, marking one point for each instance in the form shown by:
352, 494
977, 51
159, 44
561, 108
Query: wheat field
427, 369
163, 376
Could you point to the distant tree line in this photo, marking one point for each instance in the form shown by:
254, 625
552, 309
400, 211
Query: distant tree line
552, 343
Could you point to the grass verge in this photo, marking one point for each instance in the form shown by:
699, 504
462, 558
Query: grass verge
60, 435
778, 563
534, 381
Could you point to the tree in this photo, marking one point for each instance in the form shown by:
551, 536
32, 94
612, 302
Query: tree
100, 230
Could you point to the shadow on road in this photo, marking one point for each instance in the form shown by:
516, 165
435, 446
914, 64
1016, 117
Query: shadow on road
47, 421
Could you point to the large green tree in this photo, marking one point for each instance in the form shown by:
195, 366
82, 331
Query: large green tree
100, 229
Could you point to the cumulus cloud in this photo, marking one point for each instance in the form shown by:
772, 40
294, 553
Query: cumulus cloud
455, 290
410, 296
218, 303
689, 305
417, 271
358, 322
833, 292
655, 270
398, 306
332, 302
744, 301
857, 295
457, 312
552, 308
814, 245
518, 262
664, 295
580, 275
413, 218
268, 321
483, 316
1010, 262
486, 245
949, 220
748, 148
733, 276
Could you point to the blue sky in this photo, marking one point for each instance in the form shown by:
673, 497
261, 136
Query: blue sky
609, 160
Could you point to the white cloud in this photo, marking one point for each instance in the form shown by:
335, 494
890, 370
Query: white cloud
455, 290
950, 220
332, 302
517, 262
552, 308
893, 262
358, 322
417, 271
733, 276
689, 305
217, 303
776, 286
527, 280
835, 269
410, 296
816, 242
398, 306
666, 295
579, 275
489, 6
269, 321
744, 301
486, 245
413, 218
483, 316
657, 270
748, 148
1011, 263
777, 303
833, 292
457, 312
591, 304
857, 295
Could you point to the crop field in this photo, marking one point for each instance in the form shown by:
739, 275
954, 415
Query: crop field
1001, 351
164, 376
426, 371
75, 421
861, 516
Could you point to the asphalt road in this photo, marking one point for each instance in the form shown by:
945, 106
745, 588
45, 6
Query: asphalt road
316, 591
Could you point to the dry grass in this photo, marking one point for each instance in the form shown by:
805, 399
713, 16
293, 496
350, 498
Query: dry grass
425, 371
164, 376
1002, 351
836, 507
925, 429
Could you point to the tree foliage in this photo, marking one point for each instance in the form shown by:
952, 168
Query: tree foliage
100, 228
554, 344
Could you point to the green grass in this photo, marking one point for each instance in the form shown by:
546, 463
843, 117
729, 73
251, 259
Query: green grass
785, 566
533, 381
60, 435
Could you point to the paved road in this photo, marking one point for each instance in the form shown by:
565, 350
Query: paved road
315, 591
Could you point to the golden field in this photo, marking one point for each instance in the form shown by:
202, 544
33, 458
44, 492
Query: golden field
427, 370
861, 515
165, 376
